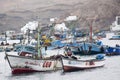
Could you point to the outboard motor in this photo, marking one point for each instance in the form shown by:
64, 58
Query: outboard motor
100, 57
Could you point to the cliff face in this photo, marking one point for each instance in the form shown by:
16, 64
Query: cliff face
15, 13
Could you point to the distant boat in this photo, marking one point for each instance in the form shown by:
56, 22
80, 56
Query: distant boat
70, 64
115, 37
25, 49
1, 49
87, 48
82, 48
110, 51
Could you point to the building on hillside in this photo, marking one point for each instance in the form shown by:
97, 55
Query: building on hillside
116, 24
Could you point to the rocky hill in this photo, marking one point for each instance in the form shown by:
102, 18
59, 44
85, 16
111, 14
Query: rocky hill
15, 13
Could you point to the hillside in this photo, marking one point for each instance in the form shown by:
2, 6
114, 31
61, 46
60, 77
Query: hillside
14, 14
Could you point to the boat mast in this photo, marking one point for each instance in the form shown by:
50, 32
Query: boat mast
91, 20
28, 36
39, 47
5, 37
90, 37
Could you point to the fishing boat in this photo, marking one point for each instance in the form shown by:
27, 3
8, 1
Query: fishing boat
82, 48
72, 64
23, 50
115, 37
33, 63
23, 64
87, 48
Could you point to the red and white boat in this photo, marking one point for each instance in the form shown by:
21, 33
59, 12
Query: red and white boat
79, 64
23, 64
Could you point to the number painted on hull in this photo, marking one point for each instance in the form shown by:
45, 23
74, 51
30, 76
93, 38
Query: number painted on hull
47, 64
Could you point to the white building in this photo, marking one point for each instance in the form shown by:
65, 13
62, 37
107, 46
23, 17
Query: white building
10, 33
116, 24
61, 27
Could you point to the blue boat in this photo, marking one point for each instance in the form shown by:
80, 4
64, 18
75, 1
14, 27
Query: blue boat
1, 49
8, 49
83, 48
112, 51
25, 49
115, 37
87, 48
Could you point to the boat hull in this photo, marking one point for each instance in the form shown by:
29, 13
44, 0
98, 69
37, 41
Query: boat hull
86, 52
86, 48
112, 51
22, 70
22, 64
75, 65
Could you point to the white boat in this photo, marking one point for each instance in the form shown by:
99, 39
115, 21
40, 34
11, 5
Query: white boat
23, 64
32, 63
79, 64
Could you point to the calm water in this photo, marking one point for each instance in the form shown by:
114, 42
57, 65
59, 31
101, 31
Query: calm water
111, 71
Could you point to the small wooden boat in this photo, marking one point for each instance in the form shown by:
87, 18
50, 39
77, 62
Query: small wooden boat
70, 64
